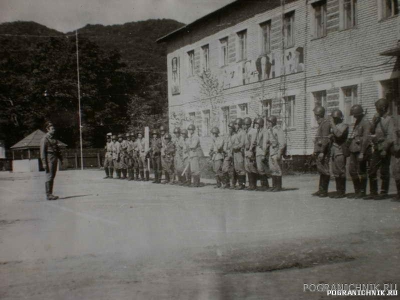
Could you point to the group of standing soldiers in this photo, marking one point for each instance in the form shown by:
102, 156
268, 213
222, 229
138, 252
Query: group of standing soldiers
177, 156
370, 149
256, 152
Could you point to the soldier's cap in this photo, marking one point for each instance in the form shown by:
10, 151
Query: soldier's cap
114, 137
120, 136
109, 134
127, 134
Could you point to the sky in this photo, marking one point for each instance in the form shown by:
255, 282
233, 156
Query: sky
68, 15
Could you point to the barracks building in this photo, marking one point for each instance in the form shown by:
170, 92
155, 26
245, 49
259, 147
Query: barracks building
257, 58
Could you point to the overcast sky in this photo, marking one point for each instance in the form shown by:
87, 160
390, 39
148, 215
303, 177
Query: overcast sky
67, 15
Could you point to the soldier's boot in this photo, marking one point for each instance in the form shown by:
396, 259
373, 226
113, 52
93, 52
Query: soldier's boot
241, 182
147, 175
325, 186
123, 174
363, 187
278, 184
267, 187
107, 173
111, 173
272, 189
155, 177
49, 196
384, 194
233, 182
227, 182
340, 188
218, 180
141, 175
250, 179
397, 197
253, 181
129, 174
51, 184
188, 180
118, 172
373, 188
167, 177
357, 186
321, 180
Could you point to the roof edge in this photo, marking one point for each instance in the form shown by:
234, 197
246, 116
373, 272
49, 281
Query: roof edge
173, 33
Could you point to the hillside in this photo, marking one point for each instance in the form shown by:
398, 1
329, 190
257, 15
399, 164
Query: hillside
135, 41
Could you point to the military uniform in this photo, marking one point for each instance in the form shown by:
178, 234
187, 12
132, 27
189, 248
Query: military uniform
179, 165
108, 159
359, 143
382, 137
50, 154
239, 141
321, 151
262, 147
277, 144
124, 158
338, 156
168, 158
217, 157
194, 155
116, 149
184, 145
155, 154
142, 159
131, 158
228, 169
250, 157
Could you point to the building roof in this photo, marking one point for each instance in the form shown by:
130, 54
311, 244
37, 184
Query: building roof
33, 141
188, 26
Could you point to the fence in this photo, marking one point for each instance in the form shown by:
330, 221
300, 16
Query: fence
92, 158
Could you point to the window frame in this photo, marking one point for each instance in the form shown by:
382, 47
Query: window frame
205, 59
265, 33
242, 44
383, 8
206, 128
243, 107
224, 55
191, 63
291, 17
343, 106
343, 14
320, 24
292, 119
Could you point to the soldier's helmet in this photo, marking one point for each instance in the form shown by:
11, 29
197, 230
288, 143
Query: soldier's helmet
139, 133
247, 121
191, 127
259, 121
356, 110
272, 119
128, 134
167, 136
162, 128
231, 125
132, 134
114, 137
154, 131
184, 132
215, 130
120, 136
382, 103
109, 135
337, 113
319, 111
177, 130
239, 121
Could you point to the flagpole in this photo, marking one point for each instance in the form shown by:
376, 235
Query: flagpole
79, 98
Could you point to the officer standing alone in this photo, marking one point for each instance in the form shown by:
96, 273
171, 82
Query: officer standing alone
108, 159
50, 154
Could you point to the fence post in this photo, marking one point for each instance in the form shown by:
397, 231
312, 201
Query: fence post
76, 160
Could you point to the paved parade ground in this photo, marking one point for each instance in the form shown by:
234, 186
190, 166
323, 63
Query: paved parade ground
114, 239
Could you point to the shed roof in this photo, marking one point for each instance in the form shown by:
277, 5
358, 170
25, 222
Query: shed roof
33, 141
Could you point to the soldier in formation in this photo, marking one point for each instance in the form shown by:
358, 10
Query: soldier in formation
108, 157
256, 149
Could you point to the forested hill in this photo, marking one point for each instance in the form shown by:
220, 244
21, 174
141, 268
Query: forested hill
122, 68
135, 41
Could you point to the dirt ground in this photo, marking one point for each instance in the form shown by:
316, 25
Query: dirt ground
114, 239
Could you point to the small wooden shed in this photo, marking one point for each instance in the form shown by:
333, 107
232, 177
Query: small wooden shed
26, 153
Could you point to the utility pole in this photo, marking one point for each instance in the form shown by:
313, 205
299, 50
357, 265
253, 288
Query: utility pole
79, 97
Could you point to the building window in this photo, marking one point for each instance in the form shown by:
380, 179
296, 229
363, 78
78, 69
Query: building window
190, 63
319, 19
389, 8
349, 99
205, 57
391, 91
223, 51
266, 107
290, 111
192, 118
348, 14
265, 37
243, 110
225, 118
206, 122
288, 29
242, 44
